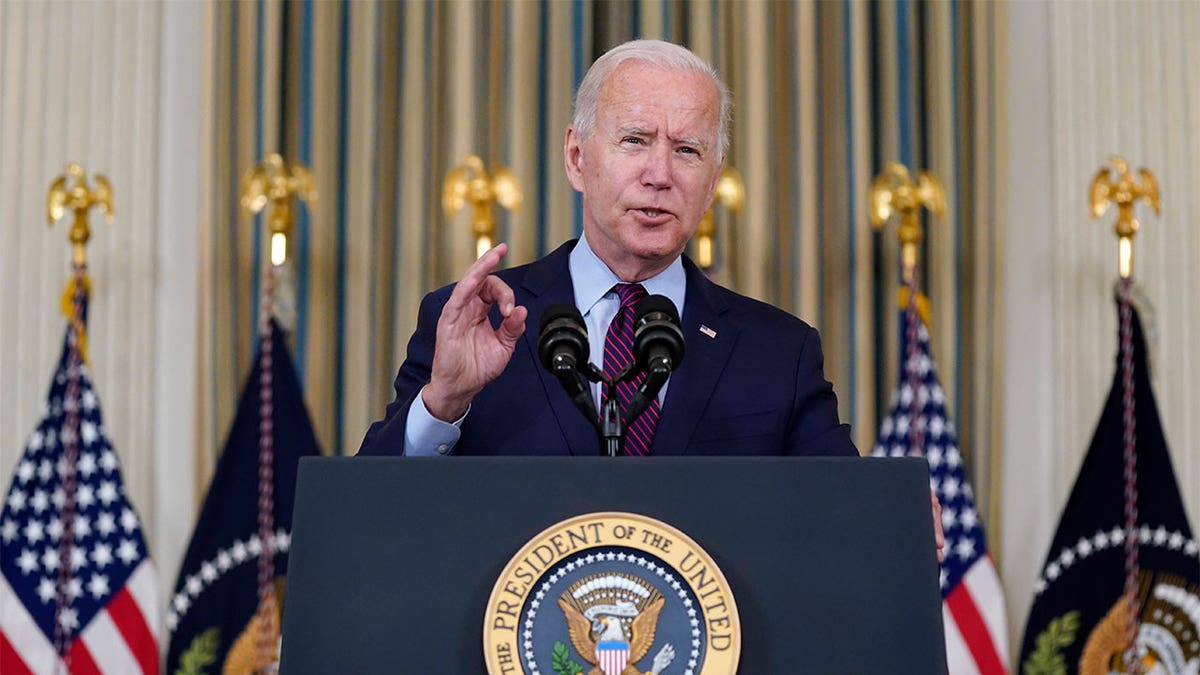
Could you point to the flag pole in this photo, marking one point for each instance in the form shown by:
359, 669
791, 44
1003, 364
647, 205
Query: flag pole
276, 184
1125, 190
918, 425
896, 197
71, 191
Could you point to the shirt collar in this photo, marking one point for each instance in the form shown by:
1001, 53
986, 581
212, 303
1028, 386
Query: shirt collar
593, 279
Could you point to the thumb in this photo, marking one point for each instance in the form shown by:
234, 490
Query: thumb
513, 327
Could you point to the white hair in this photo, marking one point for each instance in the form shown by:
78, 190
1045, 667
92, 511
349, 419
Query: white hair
655, 52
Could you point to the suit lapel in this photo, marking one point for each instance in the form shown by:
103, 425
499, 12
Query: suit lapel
709, 340
547, 282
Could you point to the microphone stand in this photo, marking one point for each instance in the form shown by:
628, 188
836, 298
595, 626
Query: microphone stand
612, 430
610, 426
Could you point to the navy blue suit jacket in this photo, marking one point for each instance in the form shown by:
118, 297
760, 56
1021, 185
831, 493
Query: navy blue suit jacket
756, 388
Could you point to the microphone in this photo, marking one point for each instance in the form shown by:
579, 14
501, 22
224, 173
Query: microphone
562, 348
657, 346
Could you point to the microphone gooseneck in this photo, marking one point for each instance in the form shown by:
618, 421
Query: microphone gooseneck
657, 350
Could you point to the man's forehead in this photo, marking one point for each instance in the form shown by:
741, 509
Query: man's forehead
636, 88
632, 73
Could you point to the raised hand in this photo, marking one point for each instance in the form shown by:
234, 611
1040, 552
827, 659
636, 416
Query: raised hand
468, 353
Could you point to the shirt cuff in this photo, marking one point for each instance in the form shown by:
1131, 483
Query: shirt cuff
426, 435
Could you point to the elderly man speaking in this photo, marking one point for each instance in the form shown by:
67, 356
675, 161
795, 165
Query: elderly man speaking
648, 139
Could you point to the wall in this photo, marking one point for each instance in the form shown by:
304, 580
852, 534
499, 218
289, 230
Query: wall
115, 87
1085, 81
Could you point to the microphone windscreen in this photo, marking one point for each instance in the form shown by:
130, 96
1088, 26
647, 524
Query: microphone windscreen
560, 310
656, 303
657, 331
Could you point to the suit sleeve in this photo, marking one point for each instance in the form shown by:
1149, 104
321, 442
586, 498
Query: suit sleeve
386, 437
814, 428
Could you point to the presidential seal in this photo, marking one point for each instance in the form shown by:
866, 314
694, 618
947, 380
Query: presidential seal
611, 594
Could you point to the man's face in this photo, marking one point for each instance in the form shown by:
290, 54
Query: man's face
648, 171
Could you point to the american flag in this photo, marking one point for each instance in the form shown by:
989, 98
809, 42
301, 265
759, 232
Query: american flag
108, 611
972, 602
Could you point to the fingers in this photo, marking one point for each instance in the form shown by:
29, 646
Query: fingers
475, 276
513, 326
493, 290
939, 537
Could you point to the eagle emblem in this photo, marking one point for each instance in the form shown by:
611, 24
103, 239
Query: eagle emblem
612, 619
1168, 637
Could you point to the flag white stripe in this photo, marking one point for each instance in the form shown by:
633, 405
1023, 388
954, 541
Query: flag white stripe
143, 586
23, 633
107, 646
958, 655
983, 585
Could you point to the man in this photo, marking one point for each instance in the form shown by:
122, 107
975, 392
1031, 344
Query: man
645, 148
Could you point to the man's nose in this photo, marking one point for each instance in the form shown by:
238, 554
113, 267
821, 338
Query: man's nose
656, 171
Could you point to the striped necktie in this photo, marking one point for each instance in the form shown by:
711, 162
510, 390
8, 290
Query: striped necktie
618, 351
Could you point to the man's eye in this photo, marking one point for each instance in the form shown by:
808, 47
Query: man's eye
632, 139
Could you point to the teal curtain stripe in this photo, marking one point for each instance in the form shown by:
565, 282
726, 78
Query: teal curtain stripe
797, 124
875, 26
904, 83
339, 363
579, 61
666, 21
232, 212
715, 35
256, 261
373, 255
851, 210
960, 169
819, 150
506, 223
304, 225
397, 223
880, 305
425, 178
506, 86
542, 97
482, 76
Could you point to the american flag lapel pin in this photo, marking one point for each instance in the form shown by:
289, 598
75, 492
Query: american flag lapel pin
708, 331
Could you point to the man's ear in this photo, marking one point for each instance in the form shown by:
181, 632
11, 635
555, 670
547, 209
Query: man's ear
573, 159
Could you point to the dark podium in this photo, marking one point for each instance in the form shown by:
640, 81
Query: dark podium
831, 561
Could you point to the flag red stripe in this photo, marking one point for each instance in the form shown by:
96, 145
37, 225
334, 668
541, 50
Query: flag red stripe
81, 660
974, 631
10, 660
129, 621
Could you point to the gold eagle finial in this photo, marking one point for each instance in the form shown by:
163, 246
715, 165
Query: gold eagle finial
273, 181
894, 196
470, 183
71, 191
1124, 190
730, 193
